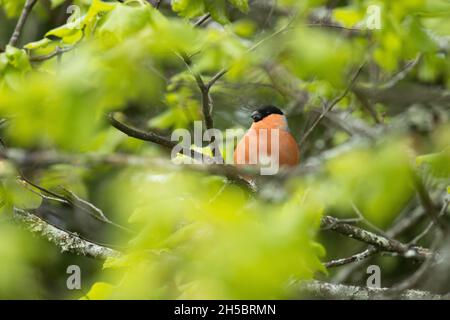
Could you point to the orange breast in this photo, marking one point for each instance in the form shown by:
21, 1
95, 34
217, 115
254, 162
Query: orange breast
259, 143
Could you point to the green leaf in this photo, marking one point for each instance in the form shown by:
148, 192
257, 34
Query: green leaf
347, 16
242, 5
99, 291
188, 8
68, 34
218, 10
38, 44
17, 58
437, 163
14, 64
123, 22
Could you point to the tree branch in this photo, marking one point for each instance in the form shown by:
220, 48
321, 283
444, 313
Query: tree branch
139, 134
326, 290
29, 4
152, 137
57, 52
380, 242
354, 258
206, 101
332, 104
412, 280
46, 158
400, 226
65, 240
430, 226
427, 203
228, 171
202, 20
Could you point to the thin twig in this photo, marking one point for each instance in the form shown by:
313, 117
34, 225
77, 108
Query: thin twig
158, 4
206, 101
45, 158
414, 279
400, 75
430, 225
222, 72
354, 258
202, 20
65, 240
379, 241
216, 77
332, 104
151, 137
139, 134
365, 221
228, 171
403, 224
29, 4
92, 210
75, 201
351, 31
57, 52
427, 203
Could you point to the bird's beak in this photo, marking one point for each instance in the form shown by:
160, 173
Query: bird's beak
256, 116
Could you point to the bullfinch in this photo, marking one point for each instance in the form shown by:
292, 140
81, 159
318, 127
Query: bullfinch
268, 138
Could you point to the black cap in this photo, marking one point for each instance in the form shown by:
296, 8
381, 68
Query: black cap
265, 111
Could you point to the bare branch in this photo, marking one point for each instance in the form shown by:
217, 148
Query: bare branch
430, 225
401, 74
153, 137
414, 279
57, 52
216, 77
365, 221
29, 4
139, 134
230, 172
326, 290
65, 240
158, 4
354, 258
380, 242
332, 25
202, 20
405, 221
207, 102
45, 158
332, 104
427, 203
92, 210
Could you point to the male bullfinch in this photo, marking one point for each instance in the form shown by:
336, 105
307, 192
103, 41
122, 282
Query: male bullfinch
267, 138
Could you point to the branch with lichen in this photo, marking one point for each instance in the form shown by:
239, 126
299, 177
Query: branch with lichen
380, 242
325, 290
65, 240
73, 243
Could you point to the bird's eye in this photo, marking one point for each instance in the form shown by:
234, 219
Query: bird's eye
256, 116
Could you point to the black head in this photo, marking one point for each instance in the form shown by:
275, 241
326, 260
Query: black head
265, 111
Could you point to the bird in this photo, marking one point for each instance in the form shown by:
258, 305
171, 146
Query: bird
269, 127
